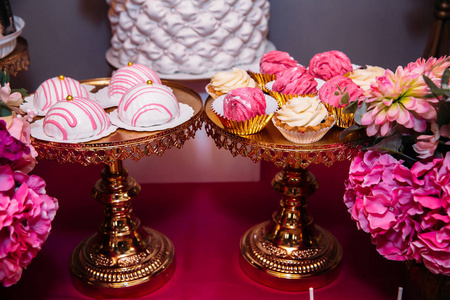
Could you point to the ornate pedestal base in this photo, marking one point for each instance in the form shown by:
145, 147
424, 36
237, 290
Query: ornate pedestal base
123, 259
291, 252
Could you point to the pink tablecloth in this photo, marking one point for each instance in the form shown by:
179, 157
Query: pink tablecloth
205, 222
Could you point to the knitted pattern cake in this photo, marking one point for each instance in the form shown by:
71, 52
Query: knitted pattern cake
188, 36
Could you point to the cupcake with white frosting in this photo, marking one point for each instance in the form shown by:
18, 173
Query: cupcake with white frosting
303, 120
225, 81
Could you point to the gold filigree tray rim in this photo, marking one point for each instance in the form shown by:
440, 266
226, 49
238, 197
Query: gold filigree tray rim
125, 143
271, 145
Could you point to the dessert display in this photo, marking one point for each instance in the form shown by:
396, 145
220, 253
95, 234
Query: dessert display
225, 81
54, 90
331, 94
303, 120
128, 76
364, 77
327, 65
189, 36
148, 104
76, 118
245, 110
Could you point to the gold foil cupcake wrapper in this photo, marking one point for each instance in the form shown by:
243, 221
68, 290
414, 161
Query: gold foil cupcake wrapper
282, 99
262, 79
251, 126
342, 120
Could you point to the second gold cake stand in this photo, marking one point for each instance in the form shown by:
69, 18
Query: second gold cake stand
123, 259
289, 252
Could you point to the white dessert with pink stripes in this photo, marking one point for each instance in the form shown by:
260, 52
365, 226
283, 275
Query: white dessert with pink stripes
56, 89
128, 76
75, 119
147, 105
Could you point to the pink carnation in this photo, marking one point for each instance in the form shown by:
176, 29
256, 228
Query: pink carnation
332, 90
327, 65
26, 213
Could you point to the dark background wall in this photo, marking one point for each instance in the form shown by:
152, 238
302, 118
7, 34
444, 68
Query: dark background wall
71, 37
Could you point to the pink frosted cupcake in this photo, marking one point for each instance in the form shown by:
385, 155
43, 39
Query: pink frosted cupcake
293, 82
244, 110
331, 93
275, 61
327, 65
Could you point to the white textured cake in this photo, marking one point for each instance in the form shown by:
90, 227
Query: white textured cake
147, 105
74, 119
128, 76
56, 89
188, 36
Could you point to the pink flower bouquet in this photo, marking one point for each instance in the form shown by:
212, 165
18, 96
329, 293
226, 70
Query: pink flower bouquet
26, 211
398, 188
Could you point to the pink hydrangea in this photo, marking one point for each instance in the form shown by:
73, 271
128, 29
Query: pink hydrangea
406, 211
21, 129
379, 197
26, 213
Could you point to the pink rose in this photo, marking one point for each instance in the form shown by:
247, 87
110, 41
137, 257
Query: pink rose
275, 61
327, 65
332, 91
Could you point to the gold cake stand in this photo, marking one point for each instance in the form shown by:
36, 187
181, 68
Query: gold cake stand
123, 259
289, 252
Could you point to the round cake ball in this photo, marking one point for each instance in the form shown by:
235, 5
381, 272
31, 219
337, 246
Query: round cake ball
128, 76
57, 89
75, 118
148, 104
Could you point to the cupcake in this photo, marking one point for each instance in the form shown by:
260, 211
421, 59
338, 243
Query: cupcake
244, 110
331, 94
292, 82
272, 63
366, 76
327, 65
303, 120
223, 82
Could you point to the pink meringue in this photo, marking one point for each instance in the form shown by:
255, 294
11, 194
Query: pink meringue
327, 65
244, 103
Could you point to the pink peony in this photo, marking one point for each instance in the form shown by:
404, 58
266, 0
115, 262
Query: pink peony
332, 90
327, 65
26, 213
398, 98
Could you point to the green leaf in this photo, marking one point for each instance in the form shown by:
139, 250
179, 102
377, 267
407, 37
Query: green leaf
359, 112
22, 91
349, 130
391, 144
345, 99
350, 108
431, 85
4, 111
445, 78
